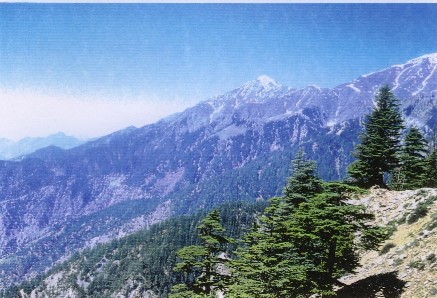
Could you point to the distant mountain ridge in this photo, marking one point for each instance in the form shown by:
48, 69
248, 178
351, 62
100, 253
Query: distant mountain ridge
236, 146
10, 149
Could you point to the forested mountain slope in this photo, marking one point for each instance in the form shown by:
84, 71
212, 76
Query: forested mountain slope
140, 265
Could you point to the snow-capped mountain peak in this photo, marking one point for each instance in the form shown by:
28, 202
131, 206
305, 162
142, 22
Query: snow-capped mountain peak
432, 58
262, 84
253, 91
267, 82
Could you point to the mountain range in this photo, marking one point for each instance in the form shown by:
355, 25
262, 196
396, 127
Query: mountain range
235, 146
14, 149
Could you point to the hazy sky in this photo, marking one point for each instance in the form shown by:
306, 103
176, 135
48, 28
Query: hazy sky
90, 69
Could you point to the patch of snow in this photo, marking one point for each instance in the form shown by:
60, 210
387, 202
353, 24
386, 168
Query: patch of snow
431, 57
315, 87
331, 123
379, 71
314, 147
58, 171
425, 81
217, 108
396, 83
231, 131
342, 128
274, 147
383, 70
295, 132
337, 165
369, 74
279, 117
257, 90
352, 86
303, 133
413, 122
116, 181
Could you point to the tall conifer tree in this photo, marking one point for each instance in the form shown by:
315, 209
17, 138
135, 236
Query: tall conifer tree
200, 262
269, 264
303, 182
431, 169
413, 160
302, 246
378, 152
331, 233
431, 161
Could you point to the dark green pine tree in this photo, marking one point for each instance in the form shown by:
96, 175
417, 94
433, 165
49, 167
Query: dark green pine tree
268, 264
201, 263
302, 185
412, 170
431, 161
378, 151
302, 250
303, 182
330, 233
431, 169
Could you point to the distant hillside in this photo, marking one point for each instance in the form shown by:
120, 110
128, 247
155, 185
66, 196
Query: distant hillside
138, 265
10, 149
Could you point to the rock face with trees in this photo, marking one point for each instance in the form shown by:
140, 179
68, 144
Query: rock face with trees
302, 244
313, 235
383, 157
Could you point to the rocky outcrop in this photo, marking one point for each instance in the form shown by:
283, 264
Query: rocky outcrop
407, 262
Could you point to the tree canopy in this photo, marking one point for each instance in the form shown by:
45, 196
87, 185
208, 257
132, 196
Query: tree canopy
378, 151
431, 169
303, 250
411, 172
201, 262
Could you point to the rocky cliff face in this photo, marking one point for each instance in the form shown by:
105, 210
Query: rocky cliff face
231, 147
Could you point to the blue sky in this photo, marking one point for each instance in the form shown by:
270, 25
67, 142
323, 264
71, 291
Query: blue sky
131, 64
